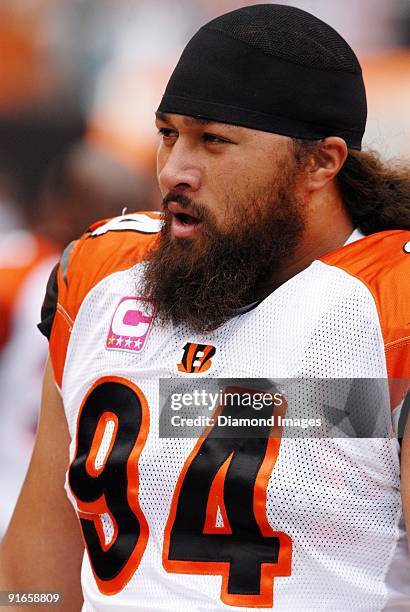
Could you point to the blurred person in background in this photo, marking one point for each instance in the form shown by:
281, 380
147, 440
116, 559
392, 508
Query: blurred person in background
10, 217
84, 183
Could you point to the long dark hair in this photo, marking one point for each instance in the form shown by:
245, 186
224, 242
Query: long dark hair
376, 192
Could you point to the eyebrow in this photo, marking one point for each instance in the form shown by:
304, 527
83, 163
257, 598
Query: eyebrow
193, 120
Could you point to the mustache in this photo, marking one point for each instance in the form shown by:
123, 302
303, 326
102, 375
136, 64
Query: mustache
181, 199
185, 202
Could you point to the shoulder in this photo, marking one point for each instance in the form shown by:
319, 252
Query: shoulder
109, 246
372, 255
381, 262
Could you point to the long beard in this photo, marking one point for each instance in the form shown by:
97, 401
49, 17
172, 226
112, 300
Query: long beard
202, 283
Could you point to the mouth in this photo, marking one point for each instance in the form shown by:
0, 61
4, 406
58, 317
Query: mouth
185, 223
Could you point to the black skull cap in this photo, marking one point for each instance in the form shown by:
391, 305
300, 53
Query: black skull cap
274, 68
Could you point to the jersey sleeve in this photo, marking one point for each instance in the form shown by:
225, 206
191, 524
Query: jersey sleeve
109, 246
49, 306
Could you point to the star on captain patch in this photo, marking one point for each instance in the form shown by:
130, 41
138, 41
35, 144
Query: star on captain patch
130, 325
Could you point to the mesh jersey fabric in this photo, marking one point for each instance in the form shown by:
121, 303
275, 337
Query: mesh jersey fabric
337, 499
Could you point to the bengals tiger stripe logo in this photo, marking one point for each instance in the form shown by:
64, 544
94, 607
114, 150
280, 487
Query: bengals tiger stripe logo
196, 358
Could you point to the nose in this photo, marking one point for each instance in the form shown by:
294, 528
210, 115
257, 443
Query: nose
178, 170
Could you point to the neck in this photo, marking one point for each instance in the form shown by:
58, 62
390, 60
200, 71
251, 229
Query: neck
327, 227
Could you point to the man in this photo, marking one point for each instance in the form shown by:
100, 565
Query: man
248, 278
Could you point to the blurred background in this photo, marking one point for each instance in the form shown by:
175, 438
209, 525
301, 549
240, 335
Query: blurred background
79, 83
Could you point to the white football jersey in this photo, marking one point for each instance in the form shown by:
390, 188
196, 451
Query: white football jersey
211, 523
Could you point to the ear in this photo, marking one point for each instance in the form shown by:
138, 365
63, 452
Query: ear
326, 162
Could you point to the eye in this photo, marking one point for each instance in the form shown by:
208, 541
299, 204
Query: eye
167, 134
212, 139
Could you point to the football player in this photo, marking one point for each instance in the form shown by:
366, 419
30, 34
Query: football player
282, 254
